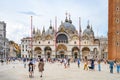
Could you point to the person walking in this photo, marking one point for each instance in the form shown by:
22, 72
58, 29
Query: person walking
111, 65
65, 63
24, 62
99, 65
78, 62
69, 62
41, 67
118, 66
30, 66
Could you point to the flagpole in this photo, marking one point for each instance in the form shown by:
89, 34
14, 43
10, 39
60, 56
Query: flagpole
79, 36
55, 36
31, 39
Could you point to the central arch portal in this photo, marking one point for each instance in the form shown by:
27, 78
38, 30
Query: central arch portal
61, 50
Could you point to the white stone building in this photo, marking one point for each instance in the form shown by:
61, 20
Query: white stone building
4, 43
67, 42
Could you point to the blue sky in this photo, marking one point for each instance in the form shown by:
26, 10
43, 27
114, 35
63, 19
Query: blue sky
16, 13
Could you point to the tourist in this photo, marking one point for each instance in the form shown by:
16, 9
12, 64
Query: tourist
69, 62
78, 62
92, 67
86, 64
118, 66
31, 65
99, 65
65, 63
111, 65
2, 61
41, 66
24, 62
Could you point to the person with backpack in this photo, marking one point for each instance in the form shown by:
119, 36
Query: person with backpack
30, 66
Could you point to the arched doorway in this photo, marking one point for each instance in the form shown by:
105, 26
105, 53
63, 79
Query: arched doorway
38, 52
61, 49
85, 53
75, 52
95, 53
62, 54
48, 52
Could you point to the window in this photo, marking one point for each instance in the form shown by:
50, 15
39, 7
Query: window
117, 8
39, 42
84, 42
75, 42
117, 44
48, 42
117, 32
117, 21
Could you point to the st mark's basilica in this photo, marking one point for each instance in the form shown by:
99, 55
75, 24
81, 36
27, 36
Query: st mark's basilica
65, 41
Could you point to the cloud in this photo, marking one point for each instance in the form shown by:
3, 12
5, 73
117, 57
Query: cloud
29, 13
18, 31
18, 18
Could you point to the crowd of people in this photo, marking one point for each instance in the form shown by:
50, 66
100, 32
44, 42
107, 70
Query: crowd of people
89, 64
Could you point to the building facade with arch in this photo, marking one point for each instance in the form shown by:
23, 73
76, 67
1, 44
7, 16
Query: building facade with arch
66, 41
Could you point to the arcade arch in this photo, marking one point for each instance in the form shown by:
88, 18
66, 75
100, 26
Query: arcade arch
37, 51
75, 52
48, 52
85, 52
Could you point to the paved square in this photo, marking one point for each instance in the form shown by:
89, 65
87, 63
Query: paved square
56, 71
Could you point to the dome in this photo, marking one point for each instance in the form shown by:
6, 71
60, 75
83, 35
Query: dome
88, 31
68, 26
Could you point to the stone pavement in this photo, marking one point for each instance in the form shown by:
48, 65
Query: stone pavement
56, 71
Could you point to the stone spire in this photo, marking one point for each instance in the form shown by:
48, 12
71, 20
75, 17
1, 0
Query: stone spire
50, 24
70, 21
43, 32
33, 30
88, 26
66, 20
80, 30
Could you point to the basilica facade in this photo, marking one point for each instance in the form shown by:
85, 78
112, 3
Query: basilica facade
65, 41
